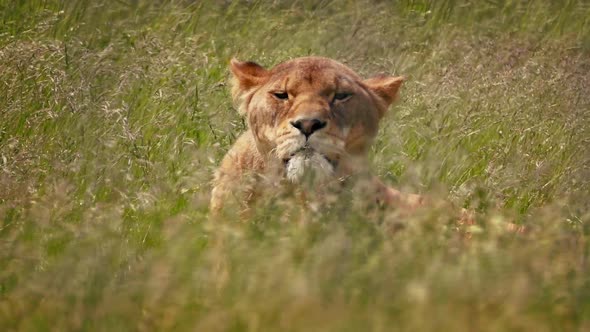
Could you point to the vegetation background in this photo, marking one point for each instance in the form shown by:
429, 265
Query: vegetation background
113, 115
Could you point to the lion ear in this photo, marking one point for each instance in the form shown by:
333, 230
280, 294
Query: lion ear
386, 87
247, 74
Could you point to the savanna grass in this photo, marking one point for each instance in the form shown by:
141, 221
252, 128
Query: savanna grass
113, 115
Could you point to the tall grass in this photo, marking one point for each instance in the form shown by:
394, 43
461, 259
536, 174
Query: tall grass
113, 115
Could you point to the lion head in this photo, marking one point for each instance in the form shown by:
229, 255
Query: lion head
312, 113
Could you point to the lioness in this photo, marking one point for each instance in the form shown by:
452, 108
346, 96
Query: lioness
308, 115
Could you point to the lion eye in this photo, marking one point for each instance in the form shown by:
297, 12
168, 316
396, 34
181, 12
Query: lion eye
342, 95
281, 95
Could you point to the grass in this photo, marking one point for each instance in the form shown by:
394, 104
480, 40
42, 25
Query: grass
113, 115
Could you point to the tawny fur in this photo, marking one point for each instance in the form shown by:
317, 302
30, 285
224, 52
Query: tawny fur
272, 101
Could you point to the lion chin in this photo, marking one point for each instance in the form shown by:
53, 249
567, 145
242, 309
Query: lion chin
309, 165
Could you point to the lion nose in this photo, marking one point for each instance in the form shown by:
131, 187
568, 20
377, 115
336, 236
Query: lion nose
308, 126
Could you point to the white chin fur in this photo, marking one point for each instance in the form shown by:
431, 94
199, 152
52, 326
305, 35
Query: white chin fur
311, 164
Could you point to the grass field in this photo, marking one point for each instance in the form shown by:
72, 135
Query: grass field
114, 114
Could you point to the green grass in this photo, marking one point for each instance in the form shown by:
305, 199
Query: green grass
114, 114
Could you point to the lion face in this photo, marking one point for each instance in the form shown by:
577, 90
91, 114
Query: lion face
311, 113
